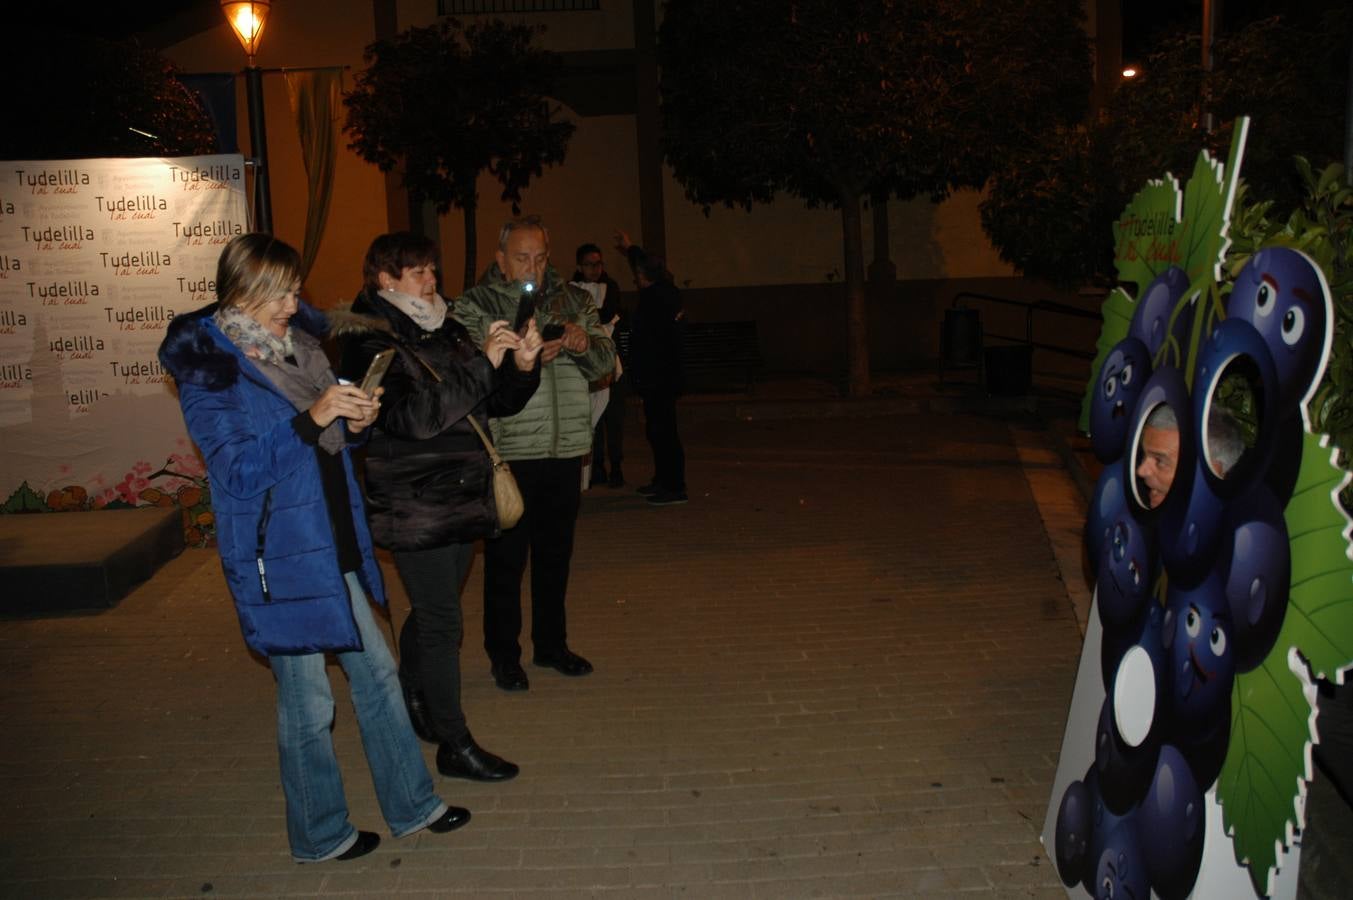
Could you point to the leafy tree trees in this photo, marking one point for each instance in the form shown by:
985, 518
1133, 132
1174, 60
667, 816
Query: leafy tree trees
1050, 208
78, 96
446, 102
830, 102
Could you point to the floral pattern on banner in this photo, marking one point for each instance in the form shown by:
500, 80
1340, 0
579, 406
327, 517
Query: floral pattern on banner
180, 482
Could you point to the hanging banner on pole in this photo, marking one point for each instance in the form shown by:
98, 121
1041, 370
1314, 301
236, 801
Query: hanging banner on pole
96, 256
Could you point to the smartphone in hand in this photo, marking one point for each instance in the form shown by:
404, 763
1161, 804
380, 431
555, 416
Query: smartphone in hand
380, 364
526, 310
552, 331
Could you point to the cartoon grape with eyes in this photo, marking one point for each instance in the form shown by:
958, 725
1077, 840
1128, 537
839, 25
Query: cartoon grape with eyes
1197, 635
1126, 572
1283, 294
1121, 378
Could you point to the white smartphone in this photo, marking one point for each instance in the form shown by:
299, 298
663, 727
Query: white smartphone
380, 363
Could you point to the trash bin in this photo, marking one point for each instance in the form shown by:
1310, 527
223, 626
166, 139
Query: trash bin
960, 339
1009, 370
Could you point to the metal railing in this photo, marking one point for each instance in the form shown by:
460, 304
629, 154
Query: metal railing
1030, 307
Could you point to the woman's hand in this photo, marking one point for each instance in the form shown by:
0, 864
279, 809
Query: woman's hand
501, 338
357, 426
345, 401
531, 344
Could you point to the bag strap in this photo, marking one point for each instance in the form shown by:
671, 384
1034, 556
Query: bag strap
469, 417
488, 444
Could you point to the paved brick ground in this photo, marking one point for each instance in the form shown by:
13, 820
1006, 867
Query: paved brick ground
841, 670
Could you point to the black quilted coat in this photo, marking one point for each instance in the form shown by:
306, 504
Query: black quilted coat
429, 482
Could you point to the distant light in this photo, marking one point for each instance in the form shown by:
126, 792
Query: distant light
1130, 72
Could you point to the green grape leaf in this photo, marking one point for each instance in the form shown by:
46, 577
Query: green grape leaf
1117, 312
1266, 761
1202, 237
24, 500
1322, 573
1146, 236
1262, 778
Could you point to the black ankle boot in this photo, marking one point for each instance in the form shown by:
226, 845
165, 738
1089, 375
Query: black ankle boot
466, 759
417, 705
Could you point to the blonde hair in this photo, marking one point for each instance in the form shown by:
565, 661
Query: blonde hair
255, 268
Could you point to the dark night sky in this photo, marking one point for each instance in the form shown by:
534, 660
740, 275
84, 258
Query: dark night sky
1144, 19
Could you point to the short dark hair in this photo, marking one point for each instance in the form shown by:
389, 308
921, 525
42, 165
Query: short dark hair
653, 268
524, 222
584, 250
393, 253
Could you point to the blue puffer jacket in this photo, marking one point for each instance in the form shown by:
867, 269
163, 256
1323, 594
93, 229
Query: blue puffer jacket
266, 493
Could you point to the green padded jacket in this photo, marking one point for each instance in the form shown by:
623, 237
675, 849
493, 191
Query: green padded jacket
556, 422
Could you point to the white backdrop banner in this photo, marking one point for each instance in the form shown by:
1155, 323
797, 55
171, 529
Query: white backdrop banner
96, 256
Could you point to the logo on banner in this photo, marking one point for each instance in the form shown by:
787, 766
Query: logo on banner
14, 375
199, 290
140, 318
141, 262
216, 231
142, 371
52, 181
82, 346
10, 320
139, 206
213, 177
63, 293
58, 237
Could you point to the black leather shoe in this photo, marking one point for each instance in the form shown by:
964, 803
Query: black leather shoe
565, 661
417, 705
365, 843
649, 489
469, 760
510, 676
453, 818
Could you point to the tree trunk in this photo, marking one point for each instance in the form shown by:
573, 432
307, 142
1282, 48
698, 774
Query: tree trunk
857, 334
471, 245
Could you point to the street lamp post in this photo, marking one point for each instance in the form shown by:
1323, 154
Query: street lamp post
248, 17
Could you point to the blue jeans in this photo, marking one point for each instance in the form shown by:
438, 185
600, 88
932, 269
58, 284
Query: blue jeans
317, 812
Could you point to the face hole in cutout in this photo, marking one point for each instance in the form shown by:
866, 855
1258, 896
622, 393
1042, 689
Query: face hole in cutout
1232, 416
1156, 456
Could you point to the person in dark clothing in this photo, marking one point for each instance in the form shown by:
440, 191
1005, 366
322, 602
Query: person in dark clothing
262, 405
608, 439
655, 370
429, 479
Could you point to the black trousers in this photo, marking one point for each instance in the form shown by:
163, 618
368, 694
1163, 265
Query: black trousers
608, 440
429, 643
669, 459
551, 490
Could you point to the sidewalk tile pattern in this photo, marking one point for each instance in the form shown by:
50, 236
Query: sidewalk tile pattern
842, 670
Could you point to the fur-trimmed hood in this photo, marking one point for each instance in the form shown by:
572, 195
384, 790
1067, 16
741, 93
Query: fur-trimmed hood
193, 352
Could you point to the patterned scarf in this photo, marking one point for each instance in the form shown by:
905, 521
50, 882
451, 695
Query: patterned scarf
429, 316
295, 364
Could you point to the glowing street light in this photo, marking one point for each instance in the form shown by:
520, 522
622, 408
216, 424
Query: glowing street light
247, 18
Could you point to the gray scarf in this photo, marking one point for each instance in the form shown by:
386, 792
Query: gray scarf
301, 379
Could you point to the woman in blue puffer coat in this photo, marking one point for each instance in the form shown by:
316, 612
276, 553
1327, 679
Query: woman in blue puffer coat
274, 427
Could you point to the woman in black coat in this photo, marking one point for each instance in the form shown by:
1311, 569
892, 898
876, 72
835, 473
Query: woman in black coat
429, 481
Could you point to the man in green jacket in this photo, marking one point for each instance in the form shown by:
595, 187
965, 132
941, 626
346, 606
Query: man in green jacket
544, 443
